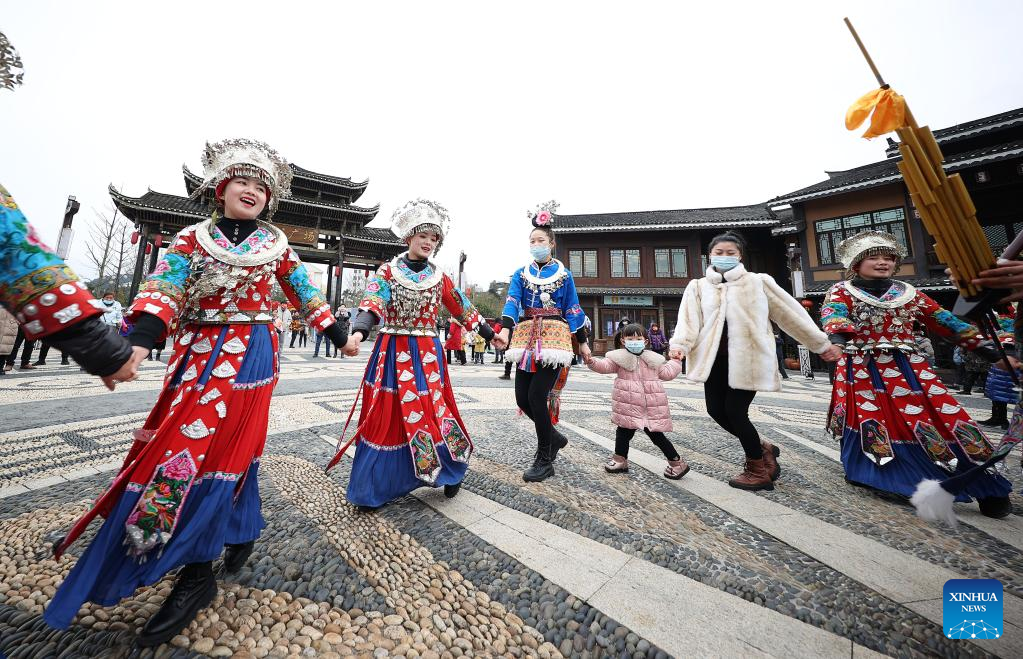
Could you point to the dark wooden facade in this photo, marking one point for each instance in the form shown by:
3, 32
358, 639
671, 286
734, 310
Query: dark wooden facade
321, 220
641, 270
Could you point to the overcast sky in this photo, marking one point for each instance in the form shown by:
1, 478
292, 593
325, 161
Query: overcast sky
488, 108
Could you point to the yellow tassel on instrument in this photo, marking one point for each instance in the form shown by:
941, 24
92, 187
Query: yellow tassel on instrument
889, 111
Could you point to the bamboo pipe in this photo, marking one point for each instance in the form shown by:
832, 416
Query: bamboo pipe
866, 55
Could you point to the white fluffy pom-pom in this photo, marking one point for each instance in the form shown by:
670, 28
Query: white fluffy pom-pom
934, 503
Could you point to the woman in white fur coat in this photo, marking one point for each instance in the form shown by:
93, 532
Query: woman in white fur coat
724, 332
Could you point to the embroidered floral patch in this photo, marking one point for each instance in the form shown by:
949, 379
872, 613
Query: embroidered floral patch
972, 440
934, 444
875, 442
424, 456
156, 515
458, 444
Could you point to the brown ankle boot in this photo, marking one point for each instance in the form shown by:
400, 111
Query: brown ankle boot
771, 453
753, 477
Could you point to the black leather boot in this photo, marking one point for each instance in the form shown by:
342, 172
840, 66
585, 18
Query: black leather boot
543, 465
236, 555
996, 507
558, 442
999, 415
193, 591
451, 490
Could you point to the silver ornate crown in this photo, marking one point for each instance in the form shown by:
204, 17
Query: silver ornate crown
11, 69
420, 214
867, 243
244, 157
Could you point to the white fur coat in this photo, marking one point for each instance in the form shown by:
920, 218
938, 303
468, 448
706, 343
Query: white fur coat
748, 301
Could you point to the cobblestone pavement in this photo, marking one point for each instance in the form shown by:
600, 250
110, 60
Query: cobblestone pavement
586, 564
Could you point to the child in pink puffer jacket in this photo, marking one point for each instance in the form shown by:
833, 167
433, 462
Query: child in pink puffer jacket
638, 400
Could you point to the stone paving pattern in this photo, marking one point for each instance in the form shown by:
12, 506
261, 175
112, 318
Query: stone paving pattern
327, 580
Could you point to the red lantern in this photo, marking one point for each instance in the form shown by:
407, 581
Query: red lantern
158, 241
134, 237
807, 304
149, 248
337, 271
365, 273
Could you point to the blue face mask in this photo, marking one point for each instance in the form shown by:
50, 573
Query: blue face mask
724, 263
635, 346
540, 252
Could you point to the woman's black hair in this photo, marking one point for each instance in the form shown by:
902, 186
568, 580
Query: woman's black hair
546, 229
632, 329
729, 237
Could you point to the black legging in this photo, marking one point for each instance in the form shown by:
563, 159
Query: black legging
531, 391
624, 435
730, 407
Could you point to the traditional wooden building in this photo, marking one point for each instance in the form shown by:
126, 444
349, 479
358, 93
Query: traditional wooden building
988, 154
321, 220
636, 265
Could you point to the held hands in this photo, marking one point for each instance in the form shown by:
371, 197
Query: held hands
832, 354
501, 340
586, 353
675, 353
351, 348
128, 371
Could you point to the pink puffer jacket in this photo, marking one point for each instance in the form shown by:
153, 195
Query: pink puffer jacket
638, 399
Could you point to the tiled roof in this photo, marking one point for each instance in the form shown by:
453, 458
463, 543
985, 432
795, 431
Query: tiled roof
351, 190
684, 218
923, 283
628, 290
159, 203
886, 171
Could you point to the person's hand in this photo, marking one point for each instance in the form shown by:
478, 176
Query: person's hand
128, 371
586, 353
832, 354
501, 340
1006, 274
675, 353
351, 348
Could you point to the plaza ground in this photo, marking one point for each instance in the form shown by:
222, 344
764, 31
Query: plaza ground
585, 564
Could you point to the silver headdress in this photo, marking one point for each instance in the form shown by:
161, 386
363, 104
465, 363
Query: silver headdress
420, 215
543, 214
244, 157
11, 68
867, 243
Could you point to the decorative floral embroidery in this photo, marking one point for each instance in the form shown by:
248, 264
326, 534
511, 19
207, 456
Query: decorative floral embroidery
156, 515
424, 456
837, 425
972, 440
458, 443
875, 442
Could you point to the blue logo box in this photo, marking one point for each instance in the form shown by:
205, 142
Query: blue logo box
972, 608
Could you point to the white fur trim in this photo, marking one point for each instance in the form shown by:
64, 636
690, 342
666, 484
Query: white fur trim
628, 361
748, 302
549, 357
934, 503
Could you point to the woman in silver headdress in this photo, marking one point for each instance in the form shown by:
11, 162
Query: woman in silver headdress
410, 433
189, 484
897, 423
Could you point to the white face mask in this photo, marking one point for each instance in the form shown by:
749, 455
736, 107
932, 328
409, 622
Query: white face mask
540, 252
724, 263
635, 346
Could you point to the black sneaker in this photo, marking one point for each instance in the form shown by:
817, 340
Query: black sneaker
450, 491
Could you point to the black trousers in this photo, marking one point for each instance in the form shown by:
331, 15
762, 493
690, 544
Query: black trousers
531, 391
624, 435
294, 336
730, 407
26, 353
45, 350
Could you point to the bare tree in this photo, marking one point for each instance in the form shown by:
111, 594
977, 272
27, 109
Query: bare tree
109, 250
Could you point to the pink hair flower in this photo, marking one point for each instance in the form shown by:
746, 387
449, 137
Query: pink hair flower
543, 218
